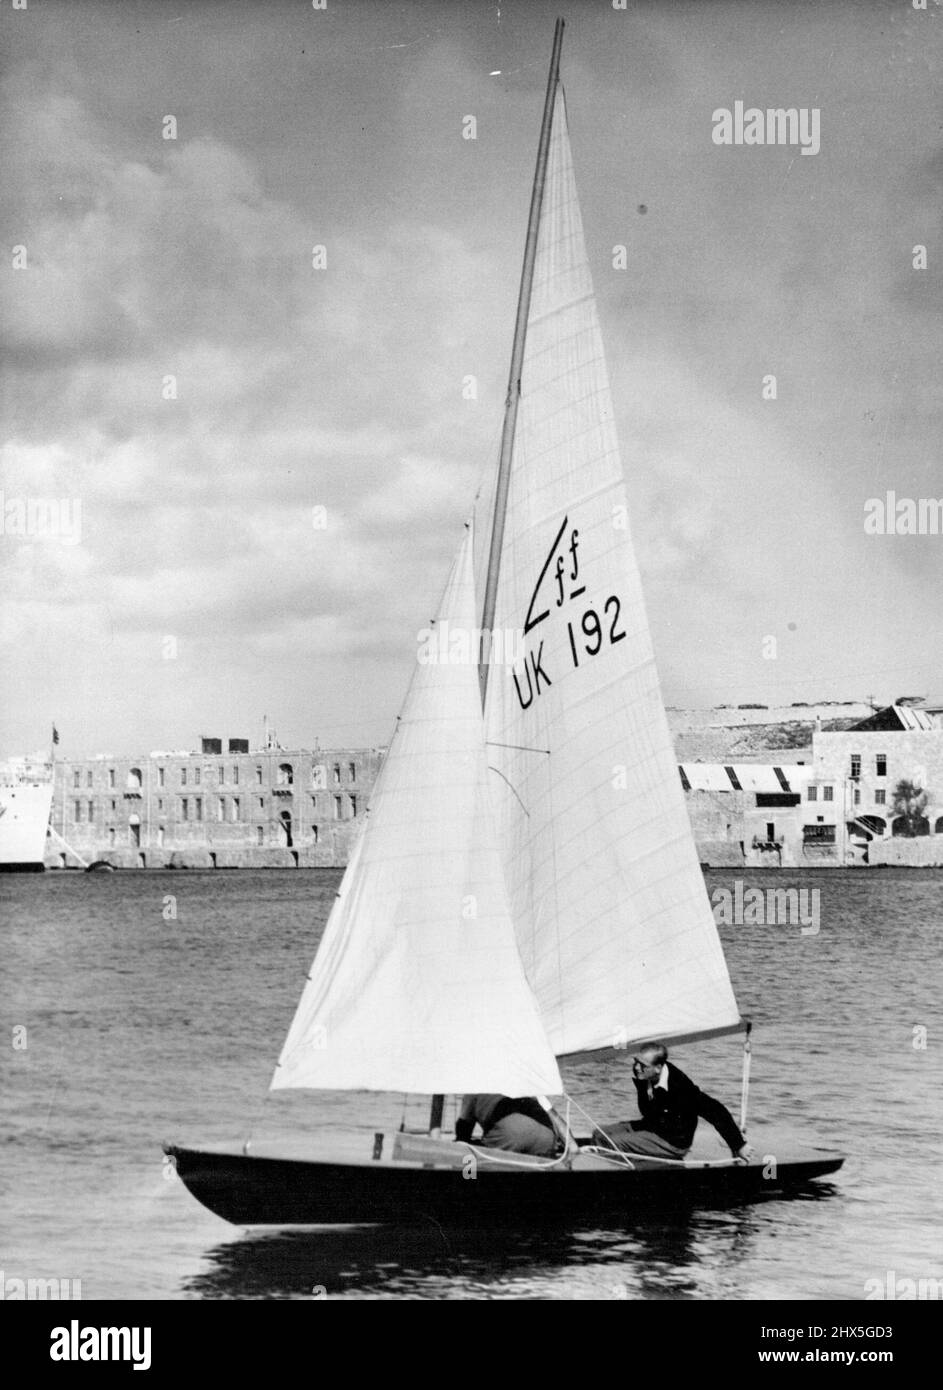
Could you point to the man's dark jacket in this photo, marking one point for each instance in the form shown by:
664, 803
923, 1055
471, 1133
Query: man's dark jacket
673, 1114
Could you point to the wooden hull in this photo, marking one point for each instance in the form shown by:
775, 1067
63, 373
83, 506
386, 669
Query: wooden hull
268, 1190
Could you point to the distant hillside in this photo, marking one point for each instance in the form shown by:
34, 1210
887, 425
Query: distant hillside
788, 741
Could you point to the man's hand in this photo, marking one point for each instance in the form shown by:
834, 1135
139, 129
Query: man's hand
746, 1153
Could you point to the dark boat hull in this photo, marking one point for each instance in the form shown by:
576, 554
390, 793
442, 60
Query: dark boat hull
251, 1190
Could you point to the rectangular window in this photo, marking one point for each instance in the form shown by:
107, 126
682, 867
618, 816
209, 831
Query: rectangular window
78, 812
160, 776
338, 806
76, 778
353, 806
880, 797
160, 803
856, 765
91, 812
818, 834
880, 765
258, 776
196, 776
198, 807
857, 796
184, 808
114, 806
89, 778
777, 799
337, 774
828, 793
314, 834
183, 777
221, 774
234, 808
812, 793
352, 772
259, 835
111, 777
221, 808
262, 803
235, 776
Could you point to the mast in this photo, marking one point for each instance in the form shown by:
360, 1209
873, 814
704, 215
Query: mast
510, 409
517, 360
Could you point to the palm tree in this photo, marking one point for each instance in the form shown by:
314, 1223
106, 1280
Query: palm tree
909, 801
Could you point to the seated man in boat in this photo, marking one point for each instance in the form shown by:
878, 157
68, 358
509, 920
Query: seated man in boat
670, 1106
519, 1123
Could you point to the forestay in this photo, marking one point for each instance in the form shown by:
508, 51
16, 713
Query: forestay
417, 985
608, 900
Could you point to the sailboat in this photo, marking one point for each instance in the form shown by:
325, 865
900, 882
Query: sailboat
526, 887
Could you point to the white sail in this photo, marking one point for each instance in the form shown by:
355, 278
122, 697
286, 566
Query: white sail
613, 921
418, 985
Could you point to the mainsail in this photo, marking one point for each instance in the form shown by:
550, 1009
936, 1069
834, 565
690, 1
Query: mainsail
417, 985
613, 921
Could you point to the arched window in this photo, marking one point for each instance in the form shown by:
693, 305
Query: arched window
135, 780
919, 826
286, 775
938, 828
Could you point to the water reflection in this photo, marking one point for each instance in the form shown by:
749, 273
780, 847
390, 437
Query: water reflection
681, 1254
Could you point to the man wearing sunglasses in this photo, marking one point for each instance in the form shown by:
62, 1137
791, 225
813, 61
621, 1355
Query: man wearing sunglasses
670, 1105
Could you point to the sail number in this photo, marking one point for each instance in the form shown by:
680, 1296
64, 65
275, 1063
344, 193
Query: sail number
560, 585
594, 631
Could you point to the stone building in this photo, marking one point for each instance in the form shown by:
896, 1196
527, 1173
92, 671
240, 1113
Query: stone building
266, 808
830, 810
850, 798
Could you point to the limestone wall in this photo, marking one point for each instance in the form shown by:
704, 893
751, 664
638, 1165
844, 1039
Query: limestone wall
925, 851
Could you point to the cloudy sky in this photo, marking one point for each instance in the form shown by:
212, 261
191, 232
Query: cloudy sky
341, 388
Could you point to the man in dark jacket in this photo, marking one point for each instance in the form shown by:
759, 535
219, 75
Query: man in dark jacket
670, 1105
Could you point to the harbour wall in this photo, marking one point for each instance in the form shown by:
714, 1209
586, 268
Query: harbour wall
805, 796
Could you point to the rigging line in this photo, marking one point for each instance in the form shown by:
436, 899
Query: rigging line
504, 779
257, 1115
522, 747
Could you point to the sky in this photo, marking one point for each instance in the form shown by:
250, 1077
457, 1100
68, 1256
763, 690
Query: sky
273, 460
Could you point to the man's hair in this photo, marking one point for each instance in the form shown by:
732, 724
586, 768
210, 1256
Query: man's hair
659, 1053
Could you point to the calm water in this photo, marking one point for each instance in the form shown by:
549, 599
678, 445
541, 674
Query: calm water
141, 1029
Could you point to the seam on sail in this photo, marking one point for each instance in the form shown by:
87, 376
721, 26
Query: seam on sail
561, 308
546, 518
